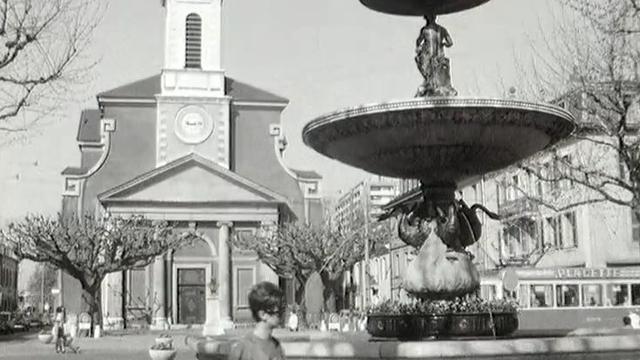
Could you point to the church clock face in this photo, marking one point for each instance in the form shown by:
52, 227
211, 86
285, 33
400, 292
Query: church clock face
193, 125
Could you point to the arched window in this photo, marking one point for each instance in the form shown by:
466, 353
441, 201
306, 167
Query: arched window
193, 41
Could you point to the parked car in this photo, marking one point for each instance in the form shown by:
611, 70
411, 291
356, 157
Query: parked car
6, 323
21, 321
35, 322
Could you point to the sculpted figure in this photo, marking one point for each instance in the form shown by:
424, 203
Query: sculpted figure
438, 273
441, 230
430, 59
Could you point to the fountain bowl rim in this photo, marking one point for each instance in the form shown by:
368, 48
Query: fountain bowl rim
421, 7
432, 103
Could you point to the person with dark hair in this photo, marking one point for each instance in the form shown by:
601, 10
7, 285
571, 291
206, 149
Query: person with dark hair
267, 305
626, 320
58, 329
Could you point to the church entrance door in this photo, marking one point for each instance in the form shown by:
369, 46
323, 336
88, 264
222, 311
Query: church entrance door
191, 296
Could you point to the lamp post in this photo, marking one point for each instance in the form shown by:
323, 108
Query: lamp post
365, 267
42, 269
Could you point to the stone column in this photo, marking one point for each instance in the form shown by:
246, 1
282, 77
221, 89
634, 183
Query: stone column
224, 274
158, 298
169, 286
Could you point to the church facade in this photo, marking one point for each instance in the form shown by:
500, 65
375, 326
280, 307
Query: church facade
198, 149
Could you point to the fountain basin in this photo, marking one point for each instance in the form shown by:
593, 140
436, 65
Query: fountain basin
438, 140
407, 326
421, 7
482, 324
420, 326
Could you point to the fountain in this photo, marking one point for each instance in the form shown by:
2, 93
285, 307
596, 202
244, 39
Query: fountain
447, 142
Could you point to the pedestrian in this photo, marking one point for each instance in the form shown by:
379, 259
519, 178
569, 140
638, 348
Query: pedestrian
292, 324
626, 321
58, 329
267, 305
375, 299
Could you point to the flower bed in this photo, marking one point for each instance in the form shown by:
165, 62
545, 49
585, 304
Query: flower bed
162, 350
431, 319
45, 336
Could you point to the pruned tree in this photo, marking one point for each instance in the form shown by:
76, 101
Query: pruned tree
42, 43
298, 250
88, 249
589, 63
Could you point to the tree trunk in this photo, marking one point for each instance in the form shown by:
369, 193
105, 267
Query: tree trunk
332, 290
91, 298
300, 301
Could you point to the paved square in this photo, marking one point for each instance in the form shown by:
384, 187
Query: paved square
131, 347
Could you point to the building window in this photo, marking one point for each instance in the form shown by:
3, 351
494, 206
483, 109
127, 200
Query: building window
617, 295
552, 232
193, 41
541, 296
519, 238
488, 292
592, 295
635, 294
567, 295
512, 188
570, 230
561, 231
635, 227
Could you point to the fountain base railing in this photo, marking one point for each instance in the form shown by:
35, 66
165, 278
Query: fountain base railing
625, 345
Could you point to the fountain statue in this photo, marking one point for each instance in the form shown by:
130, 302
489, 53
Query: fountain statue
445, 141
432, 63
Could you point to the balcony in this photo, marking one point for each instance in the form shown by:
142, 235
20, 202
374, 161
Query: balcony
519, 206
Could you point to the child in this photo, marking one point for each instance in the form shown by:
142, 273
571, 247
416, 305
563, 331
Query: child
292, 324
267, 305
58, 329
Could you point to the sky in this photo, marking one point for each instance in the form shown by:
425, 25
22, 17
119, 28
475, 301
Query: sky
321, 55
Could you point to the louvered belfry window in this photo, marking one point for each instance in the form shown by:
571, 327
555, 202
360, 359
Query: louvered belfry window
193, 41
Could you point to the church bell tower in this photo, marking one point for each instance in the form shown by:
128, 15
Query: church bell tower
193, 110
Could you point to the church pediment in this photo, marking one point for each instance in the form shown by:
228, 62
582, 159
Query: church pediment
191, 179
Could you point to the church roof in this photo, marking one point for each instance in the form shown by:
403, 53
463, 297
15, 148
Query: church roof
89, 129
149, 87
307, 174
165, 172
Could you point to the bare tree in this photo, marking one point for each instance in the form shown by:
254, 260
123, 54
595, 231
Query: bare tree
590, 65
89, 249
298, 250
41, 48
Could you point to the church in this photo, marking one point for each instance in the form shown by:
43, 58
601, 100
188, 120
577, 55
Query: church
198, 149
